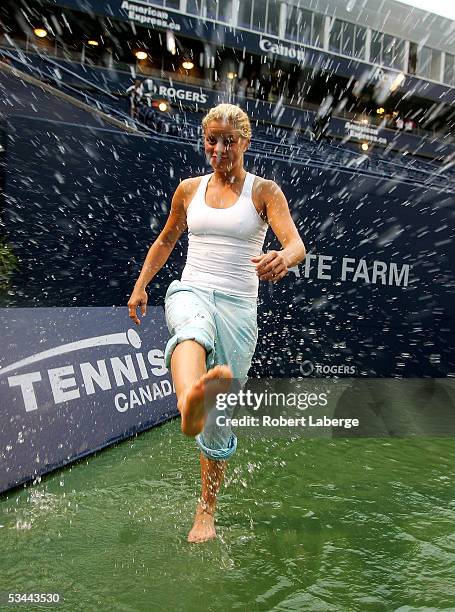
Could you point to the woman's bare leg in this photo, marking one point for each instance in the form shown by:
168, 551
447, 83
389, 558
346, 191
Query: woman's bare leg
194, 386
212, 474
190, 381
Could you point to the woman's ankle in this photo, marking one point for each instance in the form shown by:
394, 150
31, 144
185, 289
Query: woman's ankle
204, 507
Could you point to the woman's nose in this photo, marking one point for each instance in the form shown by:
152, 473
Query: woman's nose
219, 147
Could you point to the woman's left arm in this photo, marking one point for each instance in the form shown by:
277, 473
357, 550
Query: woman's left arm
274, 265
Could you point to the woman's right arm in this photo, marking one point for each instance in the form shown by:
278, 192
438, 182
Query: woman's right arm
160, 250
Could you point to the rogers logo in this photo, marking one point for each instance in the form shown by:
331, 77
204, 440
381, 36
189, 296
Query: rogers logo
94, 377
307, 368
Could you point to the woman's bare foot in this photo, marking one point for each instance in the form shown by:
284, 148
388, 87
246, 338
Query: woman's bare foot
203, 528
200, 396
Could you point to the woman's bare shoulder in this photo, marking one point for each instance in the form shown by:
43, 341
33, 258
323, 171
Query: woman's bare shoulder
188, 186
257, 194
262, 184
263, 188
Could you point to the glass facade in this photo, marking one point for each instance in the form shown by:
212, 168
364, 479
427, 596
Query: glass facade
306, 27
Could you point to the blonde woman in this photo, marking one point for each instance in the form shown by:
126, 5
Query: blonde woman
211, 312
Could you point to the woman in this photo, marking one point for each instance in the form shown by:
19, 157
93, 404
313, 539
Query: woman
211, 311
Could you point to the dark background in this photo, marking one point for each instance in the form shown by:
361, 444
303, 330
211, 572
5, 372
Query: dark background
84, 204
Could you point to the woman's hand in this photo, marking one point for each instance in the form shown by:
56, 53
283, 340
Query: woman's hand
139, 298
271, 266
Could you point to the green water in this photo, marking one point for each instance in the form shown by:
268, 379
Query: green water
303, 525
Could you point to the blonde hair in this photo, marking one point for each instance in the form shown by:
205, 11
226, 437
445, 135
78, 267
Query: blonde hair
229, 113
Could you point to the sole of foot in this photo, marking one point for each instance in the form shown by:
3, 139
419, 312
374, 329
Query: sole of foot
200, 398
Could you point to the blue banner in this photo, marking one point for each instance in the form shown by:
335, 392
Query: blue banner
74, 380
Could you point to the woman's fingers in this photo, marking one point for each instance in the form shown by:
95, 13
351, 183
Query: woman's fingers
133, 315
271, 266
132, 310
274, 274
266, 262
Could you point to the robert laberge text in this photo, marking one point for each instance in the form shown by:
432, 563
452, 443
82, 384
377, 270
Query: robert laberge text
282, 421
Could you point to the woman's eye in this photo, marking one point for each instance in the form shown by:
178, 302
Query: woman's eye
227, 143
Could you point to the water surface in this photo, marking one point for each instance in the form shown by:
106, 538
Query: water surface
360, 524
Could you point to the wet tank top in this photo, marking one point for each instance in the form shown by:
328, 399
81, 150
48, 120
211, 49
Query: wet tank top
221, 242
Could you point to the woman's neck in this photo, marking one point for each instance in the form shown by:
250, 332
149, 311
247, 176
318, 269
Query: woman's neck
233, 177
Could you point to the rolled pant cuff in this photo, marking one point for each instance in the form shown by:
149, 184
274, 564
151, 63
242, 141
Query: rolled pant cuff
189, 334
219, 454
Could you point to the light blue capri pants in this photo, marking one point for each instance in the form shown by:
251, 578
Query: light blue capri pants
226, 326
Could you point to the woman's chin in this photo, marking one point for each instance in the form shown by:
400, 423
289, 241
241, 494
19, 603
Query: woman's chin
222, 164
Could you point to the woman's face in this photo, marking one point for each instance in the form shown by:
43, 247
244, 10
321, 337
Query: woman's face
224, 146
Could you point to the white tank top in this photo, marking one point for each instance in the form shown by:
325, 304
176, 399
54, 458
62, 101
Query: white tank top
221, 242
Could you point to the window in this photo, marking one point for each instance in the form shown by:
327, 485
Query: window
428, 63
387, 50
292, 31
259, 10
210, 9
393, 52
225, 11
435, 69
193, 7
412, 60
244, 17
376, 46
318, 30
305, 18
423, 62
273, 17
400, 55
449, 69
359, 42
298, 24
304, 26
336, 33
348, 38
172, 4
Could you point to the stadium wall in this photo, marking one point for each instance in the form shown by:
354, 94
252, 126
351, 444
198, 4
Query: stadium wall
82, 207
373, 298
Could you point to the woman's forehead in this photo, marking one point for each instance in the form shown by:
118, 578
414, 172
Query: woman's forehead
221, 128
